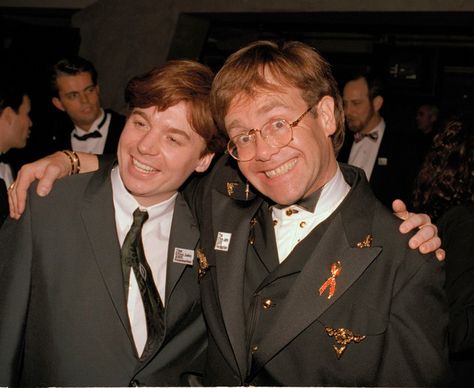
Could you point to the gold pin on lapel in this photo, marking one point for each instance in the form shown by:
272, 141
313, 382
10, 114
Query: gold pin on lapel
365, 243
343, 337
203, 265
231, 188
336, 269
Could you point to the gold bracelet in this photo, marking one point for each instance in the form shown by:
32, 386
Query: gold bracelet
74, 160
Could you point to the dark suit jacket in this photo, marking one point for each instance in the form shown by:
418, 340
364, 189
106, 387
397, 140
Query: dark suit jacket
395, 178
63, 312
456, 229
386, 292
3, 201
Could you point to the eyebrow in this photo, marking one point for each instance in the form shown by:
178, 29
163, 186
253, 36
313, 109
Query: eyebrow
263, 109
76, 91
173, 130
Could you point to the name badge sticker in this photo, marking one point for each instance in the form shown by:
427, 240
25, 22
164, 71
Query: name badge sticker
183, 256
223, 241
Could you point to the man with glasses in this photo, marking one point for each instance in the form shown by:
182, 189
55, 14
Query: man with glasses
305, 279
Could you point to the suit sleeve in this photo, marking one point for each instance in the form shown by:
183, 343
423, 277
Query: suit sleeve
15, 278
416, 340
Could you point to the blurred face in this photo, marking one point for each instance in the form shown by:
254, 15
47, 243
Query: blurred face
79, 98
424, 119
158, 151
360, 113
297, 170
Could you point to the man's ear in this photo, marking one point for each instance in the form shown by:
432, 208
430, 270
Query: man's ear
58, 104
204, 162
8, 114
377, 102
326, 118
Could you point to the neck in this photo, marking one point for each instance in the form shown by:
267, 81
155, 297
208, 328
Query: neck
372, 124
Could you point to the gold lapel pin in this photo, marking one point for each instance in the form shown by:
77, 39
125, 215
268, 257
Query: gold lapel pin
365, 243
343, 337
336, 269
231, 188
203, 264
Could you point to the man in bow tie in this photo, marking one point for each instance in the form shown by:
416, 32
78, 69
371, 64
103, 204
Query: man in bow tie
305, 279
384, 153
76, 92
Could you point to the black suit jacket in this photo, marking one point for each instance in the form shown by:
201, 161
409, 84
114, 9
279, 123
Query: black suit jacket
386, 292
63, 311
456, 229
396, 165
3, 201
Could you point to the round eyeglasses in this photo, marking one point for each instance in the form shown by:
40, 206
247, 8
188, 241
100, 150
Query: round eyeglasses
276, 133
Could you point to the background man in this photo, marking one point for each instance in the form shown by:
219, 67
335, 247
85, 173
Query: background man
76, 92
15, 126
90, 298
305, 279
388, 158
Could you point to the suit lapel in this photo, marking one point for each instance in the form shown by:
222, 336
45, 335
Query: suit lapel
185, 235
303, 304
98, 217
230, 266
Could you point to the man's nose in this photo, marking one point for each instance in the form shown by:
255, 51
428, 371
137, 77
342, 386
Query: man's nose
149, 144
263, 151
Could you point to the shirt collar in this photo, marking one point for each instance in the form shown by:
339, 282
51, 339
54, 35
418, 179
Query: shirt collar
96, 125
325, 199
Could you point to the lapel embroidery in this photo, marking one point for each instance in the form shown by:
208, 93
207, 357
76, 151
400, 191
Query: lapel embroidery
343, 337
366, 243
336, 269
231, 188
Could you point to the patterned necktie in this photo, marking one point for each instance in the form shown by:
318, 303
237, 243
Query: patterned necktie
92, 134
133, 256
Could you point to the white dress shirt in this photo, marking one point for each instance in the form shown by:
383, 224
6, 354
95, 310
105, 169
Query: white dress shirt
294, 223
364, 153
6, 173
155, 236
94, 145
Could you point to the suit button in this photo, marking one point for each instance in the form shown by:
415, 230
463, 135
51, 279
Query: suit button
254, 348
134, 383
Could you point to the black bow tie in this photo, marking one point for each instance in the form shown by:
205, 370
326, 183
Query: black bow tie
88, 135
372, 136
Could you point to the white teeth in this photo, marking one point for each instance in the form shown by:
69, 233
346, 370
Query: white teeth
283, 169
142, 167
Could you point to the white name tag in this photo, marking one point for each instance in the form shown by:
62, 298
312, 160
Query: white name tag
183, 256
223, 241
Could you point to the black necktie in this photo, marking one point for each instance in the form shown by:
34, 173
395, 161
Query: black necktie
92, 134
133, 256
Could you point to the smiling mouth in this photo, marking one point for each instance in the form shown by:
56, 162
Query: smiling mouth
143, 167
283, 169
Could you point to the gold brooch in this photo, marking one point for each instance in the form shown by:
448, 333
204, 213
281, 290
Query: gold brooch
343, 337
366, 243
231, 188
203, 265
336, 269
